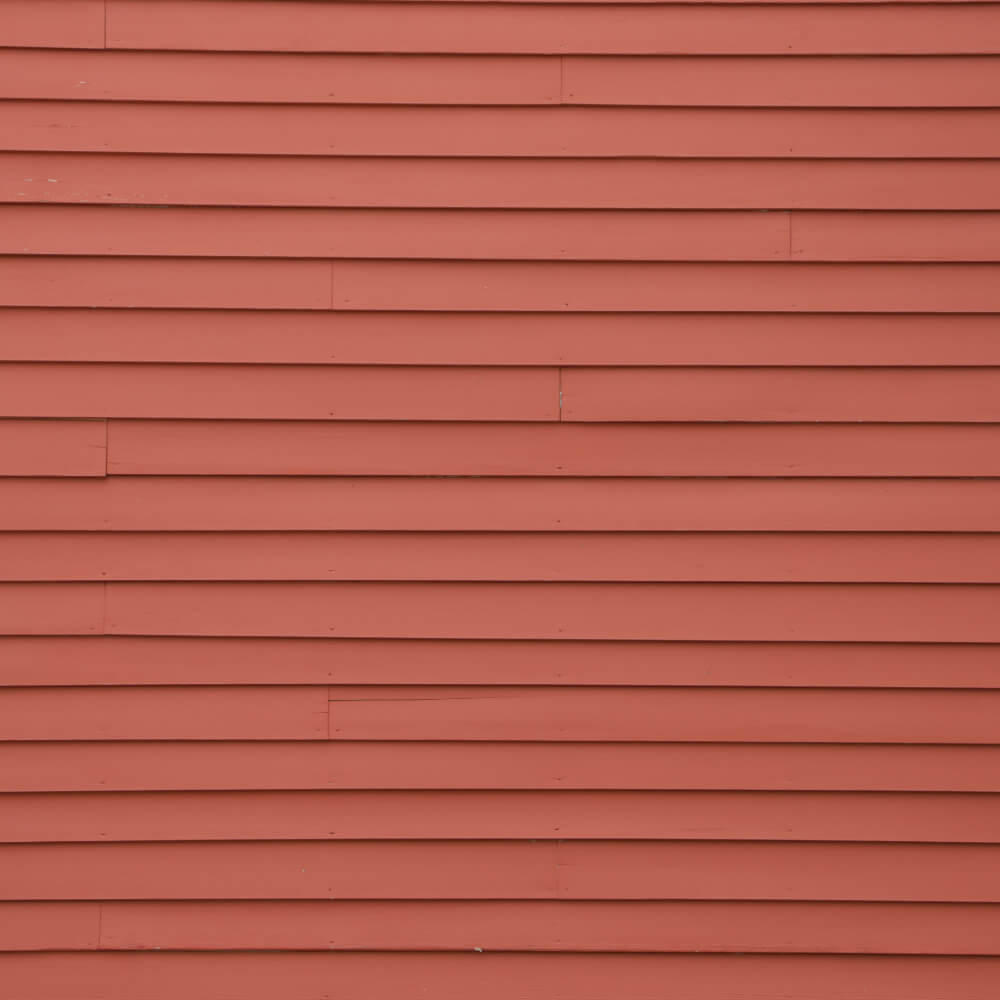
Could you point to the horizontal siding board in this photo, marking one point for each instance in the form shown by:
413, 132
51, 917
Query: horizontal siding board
52, 609
261, 337
849, 928
387, 503
647, 287
52, 24
254, 129
116, 230
781, 81
502, 870
240, 713
496, 556
778, 394
164, 282
504, 28
242, 77
222, 765
535, 926
192, 447
679, 714
53, 448
492, 815
413, 182
404, 233
894, 236
49, 926
118, 976
694, 611
316, 78
532, 714
281, 392
592, 394
139, 660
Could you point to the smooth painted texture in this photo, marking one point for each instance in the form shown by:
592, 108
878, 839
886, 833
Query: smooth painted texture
569, 556
469, 815
277, 78
422, 182
702, 29
454, 338
514, 503
500, 234
282, 392
53, 447
524, 132
166, 765
499, 499
493, 977
140, 660
162, 447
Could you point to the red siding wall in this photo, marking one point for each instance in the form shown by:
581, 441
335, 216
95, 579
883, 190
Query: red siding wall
502, 500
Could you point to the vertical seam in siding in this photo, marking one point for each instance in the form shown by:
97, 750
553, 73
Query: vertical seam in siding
791, 215
562, 91
107, 14
332, 263
329, 698
100, 925
560, 389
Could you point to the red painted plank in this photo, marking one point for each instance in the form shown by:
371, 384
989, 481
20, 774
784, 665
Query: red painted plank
165, 282
53, 447
727, 611
497, 338
61, 660
844, 928
554, 714
193, 447
650, 287
678, 714
501, 183
728, 81
493, 815
895, 236
501, 870
690, 29
51, 926
505, 234
302, 870
386, 503
71, 24
566, 556
52, 609
284, 392
140, 127
257, 713
159, 282
395, 233
287, 79
118, 976
641, 870
780, 394
785, 81
134, 767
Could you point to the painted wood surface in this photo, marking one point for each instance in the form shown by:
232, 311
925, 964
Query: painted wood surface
499, 499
